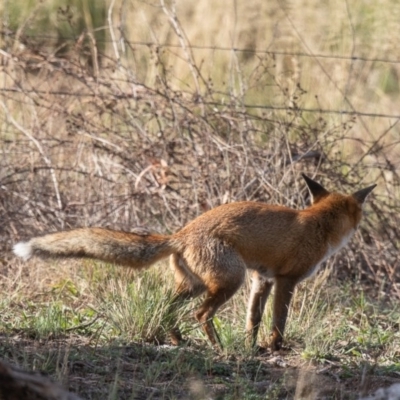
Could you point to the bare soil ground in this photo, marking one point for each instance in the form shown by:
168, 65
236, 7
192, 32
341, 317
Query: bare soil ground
148, 371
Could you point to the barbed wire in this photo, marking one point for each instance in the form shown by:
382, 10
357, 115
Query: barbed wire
225, 48
212, 103
217, 104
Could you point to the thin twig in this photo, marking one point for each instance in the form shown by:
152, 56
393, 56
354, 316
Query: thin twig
40, 149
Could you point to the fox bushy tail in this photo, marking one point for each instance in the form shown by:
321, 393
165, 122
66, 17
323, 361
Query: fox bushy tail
123, 248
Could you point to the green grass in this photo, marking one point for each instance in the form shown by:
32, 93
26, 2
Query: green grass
110, 324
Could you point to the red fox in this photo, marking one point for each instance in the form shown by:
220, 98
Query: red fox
211, 254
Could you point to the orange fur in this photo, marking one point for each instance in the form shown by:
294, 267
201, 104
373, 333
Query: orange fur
211, 254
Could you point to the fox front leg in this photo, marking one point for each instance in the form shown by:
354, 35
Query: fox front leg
260, 290
284, 289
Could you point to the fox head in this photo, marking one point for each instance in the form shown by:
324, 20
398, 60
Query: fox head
351, 204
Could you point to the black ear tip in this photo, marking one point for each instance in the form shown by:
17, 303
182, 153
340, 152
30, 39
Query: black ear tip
362, 194
307, 178
309, 181
317, 190
371, 188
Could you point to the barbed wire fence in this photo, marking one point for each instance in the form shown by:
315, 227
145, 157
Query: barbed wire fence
87, 142
154, 44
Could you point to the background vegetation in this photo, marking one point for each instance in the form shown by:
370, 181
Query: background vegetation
126, 114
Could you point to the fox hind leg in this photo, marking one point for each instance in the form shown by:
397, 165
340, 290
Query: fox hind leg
223, 275
208, 309
187, 286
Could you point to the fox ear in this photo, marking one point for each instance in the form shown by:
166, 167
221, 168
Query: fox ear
317, 191
362, 194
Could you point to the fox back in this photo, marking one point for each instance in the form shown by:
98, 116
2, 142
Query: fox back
277, 240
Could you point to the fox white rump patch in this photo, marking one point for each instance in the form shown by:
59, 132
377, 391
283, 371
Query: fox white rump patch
23, 250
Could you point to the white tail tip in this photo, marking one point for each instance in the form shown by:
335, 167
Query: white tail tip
23, 250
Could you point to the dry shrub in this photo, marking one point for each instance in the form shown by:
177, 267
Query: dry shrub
86, 145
